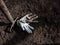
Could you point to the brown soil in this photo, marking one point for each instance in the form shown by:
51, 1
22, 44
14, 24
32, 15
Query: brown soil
47, 31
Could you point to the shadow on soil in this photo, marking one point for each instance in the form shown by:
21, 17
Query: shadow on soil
18, 37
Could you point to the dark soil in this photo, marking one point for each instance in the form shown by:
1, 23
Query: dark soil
47, 31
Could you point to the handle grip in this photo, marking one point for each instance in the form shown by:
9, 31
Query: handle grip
6, 11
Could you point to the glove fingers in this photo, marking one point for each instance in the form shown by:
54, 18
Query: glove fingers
31, 27
22, 26
28, 29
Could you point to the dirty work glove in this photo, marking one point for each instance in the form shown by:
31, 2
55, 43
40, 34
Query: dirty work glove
26, 27
25, 21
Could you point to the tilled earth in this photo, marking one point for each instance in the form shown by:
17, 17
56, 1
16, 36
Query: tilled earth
47, 31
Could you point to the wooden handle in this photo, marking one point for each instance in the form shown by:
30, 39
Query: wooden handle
6, 11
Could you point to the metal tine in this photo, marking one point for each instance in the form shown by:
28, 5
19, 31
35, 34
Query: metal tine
30, 14
30, 21
34, 18
35, 21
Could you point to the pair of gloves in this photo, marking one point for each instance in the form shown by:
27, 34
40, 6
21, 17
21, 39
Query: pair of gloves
25, 21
